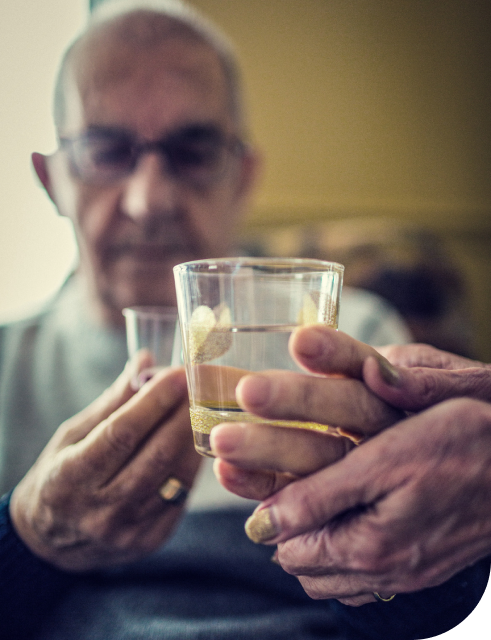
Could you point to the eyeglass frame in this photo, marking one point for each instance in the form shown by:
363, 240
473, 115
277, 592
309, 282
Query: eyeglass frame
163, 146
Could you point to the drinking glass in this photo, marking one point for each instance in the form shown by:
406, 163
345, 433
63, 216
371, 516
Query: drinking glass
156, 330
236, 317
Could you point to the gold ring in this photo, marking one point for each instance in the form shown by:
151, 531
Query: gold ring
173, 491
380, 599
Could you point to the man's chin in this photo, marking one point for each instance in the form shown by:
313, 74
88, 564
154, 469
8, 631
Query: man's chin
145, 288
141, 282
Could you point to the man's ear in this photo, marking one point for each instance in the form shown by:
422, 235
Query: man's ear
40, 163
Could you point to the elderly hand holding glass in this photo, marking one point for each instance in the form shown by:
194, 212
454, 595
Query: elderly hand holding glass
407, 509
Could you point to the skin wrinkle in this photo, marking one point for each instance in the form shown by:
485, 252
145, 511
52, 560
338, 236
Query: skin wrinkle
291, 555
445, 384
420, 355
372, 496
475, 383
427, 474
425, 575
123, 472
479, 383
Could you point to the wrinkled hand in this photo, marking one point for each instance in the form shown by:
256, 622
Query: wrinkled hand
421, 376
91, 499
256, 459
404, 511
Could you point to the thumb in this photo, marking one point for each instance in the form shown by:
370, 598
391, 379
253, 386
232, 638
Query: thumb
322, 349
297, 508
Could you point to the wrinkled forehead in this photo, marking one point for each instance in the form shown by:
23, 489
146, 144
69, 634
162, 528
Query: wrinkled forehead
144, 75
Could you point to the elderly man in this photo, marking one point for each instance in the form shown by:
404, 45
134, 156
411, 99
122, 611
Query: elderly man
152, 169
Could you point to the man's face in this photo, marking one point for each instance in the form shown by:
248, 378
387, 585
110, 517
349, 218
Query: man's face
132, 230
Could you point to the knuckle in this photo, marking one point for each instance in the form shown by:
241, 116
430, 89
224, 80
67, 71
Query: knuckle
159, 460
296, 555
373, 558
429, 388
313, 588
478, 383
270, 482
288, 558
120, 438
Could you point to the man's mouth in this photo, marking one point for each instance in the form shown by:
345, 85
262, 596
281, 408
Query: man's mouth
148, 251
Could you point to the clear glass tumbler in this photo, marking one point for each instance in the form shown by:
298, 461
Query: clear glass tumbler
236, 317
155, 330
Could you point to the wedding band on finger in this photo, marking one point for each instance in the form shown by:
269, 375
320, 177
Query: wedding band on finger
173, 491
380, 599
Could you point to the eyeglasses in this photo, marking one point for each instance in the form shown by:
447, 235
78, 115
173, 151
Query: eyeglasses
195, 155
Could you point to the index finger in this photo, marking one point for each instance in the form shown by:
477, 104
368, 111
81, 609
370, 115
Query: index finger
325, 401
399, 459
117, 438
79, 425
263, 446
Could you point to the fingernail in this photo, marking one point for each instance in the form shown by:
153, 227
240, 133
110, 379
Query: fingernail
254, 391
143, 377
237, 477
260, 526
226, 438
274, 558
389, 374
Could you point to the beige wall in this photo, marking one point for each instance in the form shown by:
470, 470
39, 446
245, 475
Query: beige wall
372, 107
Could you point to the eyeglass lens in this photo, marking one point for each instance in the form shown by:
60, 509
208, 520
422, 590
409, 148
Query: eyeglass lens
196, 154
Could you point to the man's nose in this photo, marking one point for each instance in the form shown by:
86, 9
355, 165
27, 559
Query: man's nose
150, 189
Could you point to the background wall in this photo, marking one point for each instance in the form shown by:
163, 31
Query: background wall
367, 107
36, 246
372, 107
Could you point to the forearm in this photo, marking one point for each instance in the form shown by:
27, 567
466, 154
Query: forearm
29, 587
